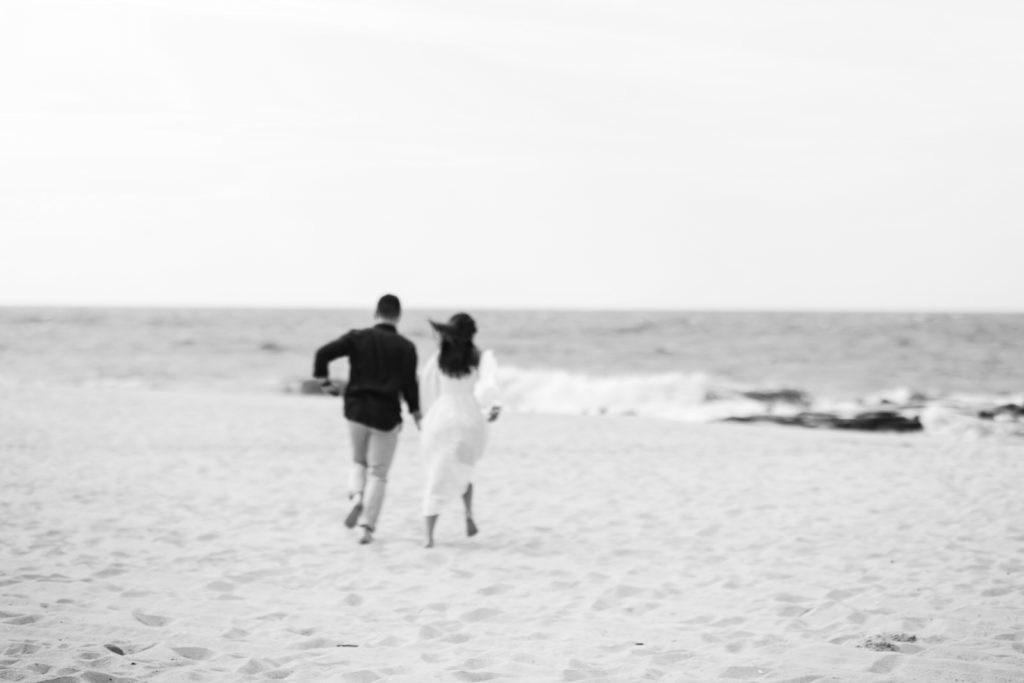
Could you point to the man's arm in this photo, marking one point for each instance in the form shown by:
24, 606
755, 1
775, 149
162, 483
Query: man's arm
411, 387
341, 346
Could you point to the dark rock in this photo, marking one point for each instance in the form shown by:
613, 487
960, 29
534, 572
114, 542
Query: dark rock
773, 419
875, 421
1010, 410
115, 649
881, 421
818, 420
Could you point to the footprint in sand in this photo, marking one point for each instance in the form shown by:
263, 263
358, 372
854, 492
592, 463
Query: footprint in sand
475, 675
18, 649
222, 586
24, 621
314, 644
430, 632
579, 671
624, 591
253, 666
481, 614
744, 672
150, 619
196, 653
93, 657
671, 658
278, 674
857, 617
108, 572
477, 663
273, 616
885, 664
792, 611
361, 676
100, 677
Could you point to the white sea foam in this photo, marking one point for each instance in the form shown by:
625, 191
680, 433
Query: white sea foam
700, 397
693, 397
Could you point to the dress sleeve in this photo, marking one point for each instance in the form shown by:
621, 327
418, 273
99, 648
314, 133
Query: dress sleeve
488, 393
430, 384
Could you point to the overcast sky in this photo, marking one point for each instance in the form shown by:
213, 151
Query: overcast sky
822, 154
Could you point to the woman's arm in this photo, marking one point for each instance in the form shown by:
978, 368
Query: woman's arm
430, 384
488, 392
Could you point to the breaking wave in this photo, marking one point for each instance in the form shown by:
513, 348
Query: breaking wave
695, 397
700, 397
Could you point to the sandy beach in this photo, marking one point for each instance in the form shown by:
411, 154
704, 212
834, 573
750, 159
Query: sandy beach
150, 536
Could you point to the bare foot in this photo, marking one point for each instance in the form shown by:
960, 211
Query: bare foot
367, 536
471, 529
430, 543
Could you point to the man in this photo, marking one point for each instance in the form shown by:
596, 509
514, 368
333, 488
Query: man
382, 368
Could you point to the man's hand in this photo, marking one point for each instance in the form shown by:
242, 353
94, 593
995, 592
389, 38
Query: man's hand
329, 388
494, 413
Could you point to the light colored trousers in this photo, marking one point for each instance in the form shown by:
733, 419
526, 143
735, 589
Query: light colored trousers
373, 450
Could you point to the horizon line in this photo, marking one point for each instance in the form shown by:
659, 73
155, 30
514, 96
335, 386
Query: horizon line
522, 308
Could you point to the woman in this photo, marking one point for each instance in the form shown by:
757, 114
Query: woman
458, 392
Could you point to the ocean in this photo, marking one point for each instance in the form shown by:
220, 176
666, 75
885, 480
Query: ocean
677, 365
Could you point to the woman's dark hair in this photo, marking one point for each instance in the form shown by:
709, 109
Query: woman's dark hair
459, 355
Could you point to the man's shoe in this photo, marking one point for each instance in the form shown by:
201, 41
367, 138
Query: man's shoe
353, 515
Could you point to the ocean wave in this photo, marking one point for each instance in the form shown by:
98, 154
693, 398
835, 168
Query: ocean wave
700, 397
691, 397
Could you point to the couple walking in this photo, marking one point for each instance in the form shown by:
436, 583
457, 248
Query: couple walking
456, 390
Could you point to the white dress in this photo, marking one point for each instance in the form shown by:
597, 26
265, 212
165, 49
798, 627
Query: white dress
454, 427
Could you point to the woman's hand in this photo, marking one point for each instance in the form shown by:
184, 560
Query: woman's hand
494, 413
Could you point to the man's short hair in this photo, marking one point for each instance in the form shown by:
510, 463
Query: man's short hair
389, 307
